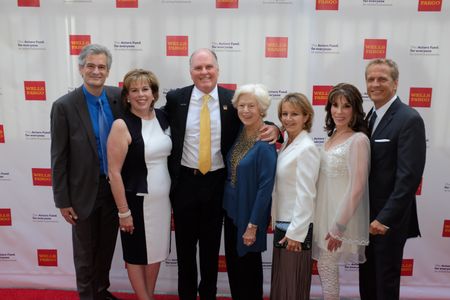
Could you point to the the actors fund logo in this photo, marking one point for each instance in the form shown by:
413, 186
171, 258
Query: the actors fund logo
77, 43
34, 90
47, 257
420, 97
177, 45
375, 48
430, 5
320, 94
277, 47
126, 3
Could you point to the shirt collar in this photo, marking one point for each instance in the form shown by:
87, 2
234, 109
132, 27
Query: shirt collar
92, 98
197, 94
383, 109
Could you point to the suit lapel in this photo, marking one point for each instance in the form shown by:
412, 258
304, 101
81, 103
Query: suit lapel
83, 113
387, 118
183, 108
224, 112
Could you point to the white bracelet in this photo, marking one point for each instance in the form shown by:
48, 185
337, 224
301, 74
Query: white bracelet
125, 214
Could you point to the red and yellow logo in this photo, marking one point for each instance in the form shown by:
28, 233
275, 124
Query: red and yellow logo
47, 257
229, 86
315, 271
446, 229
375, 48
172, 223
227, 3
5, 217
407, 267
277, 47
420, 97
126, 3
327, 4
2, 134
320, 94
28, 3
34, 90
177, 45
41, 176
419, 188
222, 263
430, 5
77, 42
120, 84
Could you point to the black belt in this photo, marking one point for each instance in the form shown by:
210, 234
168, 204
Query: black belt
196, 172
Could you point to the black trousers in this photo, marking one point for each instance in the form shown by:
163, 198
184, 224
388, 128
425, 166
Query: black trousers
197, 211
245, 273
94, 241
379, 276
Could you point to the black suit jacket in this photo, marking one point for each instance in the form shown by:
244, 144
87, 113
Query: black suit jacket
177, 107
74, 157
398, 148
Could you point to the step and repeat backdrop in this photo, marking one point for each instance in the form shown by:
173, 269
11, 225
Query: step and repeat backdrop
288, 45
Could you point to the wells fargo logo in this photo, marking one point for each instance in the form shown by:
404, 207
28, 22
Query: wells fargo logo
47, 257
375, 48
222, 263
315, 271
177, 45
77, 42
2, 134
230, 86
327, 4
276, 46
419, 188
320, 94
420, 97
407, 267
41, 177
227, 3
5, 217
28, 3
34, 90
270, 228
446, 229
172, 222
430, 5
126, 3
120, 84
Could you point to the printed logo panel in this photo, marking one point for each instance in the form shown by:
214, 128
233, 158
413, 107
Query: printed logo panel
35, 90
229, 86
28, 3
47, 257
41, 176
277, 47
5, 217
320, 94
77, 43
375, 48
227, 3
407, 267
2, 134
446, 229
222, 263
327, 4
177, 45
420, 97
126, 3
430, 5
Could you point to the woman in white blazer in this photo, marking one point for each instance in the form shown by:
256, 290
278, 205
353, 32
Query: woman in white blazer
293, 201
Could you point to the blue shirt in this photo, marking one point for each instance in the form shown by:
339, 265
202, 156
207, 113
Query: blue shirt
93, 107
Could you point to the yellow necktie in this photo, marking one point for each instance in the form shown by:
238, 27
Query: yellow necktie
204, 149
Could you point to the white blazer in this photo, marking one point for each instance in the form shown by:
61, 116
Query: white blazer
294, 192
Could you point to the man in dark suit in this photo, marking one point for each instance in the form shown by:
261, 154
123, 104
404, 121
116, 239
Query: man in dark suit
79, 171
398, 159
196, 195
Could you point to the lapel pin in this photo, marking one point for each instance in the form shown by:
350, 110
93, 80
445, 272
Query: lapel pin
225, 107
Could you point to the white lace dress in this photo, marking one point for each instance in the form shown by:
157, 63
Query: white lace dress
343, 199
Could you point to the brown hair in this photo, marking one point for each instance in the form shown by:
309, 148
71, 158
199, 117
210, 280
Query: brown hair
300, 101
137, 75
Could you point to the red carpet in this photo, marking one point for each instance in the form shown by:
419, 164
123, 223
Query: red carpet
25, 294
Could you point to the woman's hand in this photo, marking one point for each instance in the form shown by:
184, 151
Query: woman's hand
333, 244
249, 236
292, 245
126, 224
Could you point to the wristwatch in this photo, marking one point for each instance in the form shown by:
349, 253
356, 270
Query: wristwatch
252, 226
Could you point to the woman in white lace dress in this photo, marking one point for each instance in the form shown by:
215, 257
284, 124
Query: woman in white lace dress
341, 220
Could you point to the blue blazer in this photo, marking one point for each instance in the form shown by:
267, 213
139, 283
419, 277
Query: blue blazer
249, 201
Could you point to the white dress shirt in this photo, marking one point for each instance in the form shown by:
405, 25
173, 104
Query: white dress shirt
192, 135
381, 111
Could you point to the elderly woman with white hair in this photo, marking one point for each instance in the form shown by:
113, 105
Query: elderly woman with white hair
251, 166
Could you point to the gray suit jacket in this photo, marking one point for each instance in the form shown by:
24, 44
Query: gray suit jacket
74, 157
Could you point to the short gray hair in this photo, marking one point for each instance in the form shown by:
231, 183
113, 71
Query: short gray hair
94, 49
213, 54
259, 91
388, 62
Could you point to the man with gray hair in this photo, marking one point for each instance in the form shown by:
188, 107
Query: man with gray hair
80, 124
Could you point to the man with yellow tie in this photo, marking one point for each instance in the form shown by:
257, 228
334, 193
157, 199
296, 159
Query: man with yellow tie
204, 125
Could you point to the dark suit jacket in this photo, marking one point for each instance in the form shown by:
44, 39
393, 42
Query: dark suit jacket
398, 158
177, 107
74, 156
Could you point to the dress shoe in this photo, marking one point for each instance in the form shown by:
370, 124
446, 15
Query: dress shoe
109, 296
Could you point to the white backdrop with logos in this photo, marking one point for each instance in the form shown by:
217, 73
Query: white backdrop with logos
288, 45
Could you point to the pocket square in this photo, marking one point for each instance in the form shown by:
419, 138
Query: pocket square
382, 141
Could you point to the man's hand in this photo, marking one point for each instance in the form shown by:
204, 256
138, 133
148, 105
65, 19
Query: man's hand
69, 214
269, 133
377, 228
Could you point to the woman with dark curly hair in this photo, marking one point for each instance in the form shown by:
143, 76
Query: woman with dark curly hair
342, 206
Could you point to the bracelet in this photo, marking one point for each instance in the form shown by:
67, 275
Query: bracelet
125, 214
